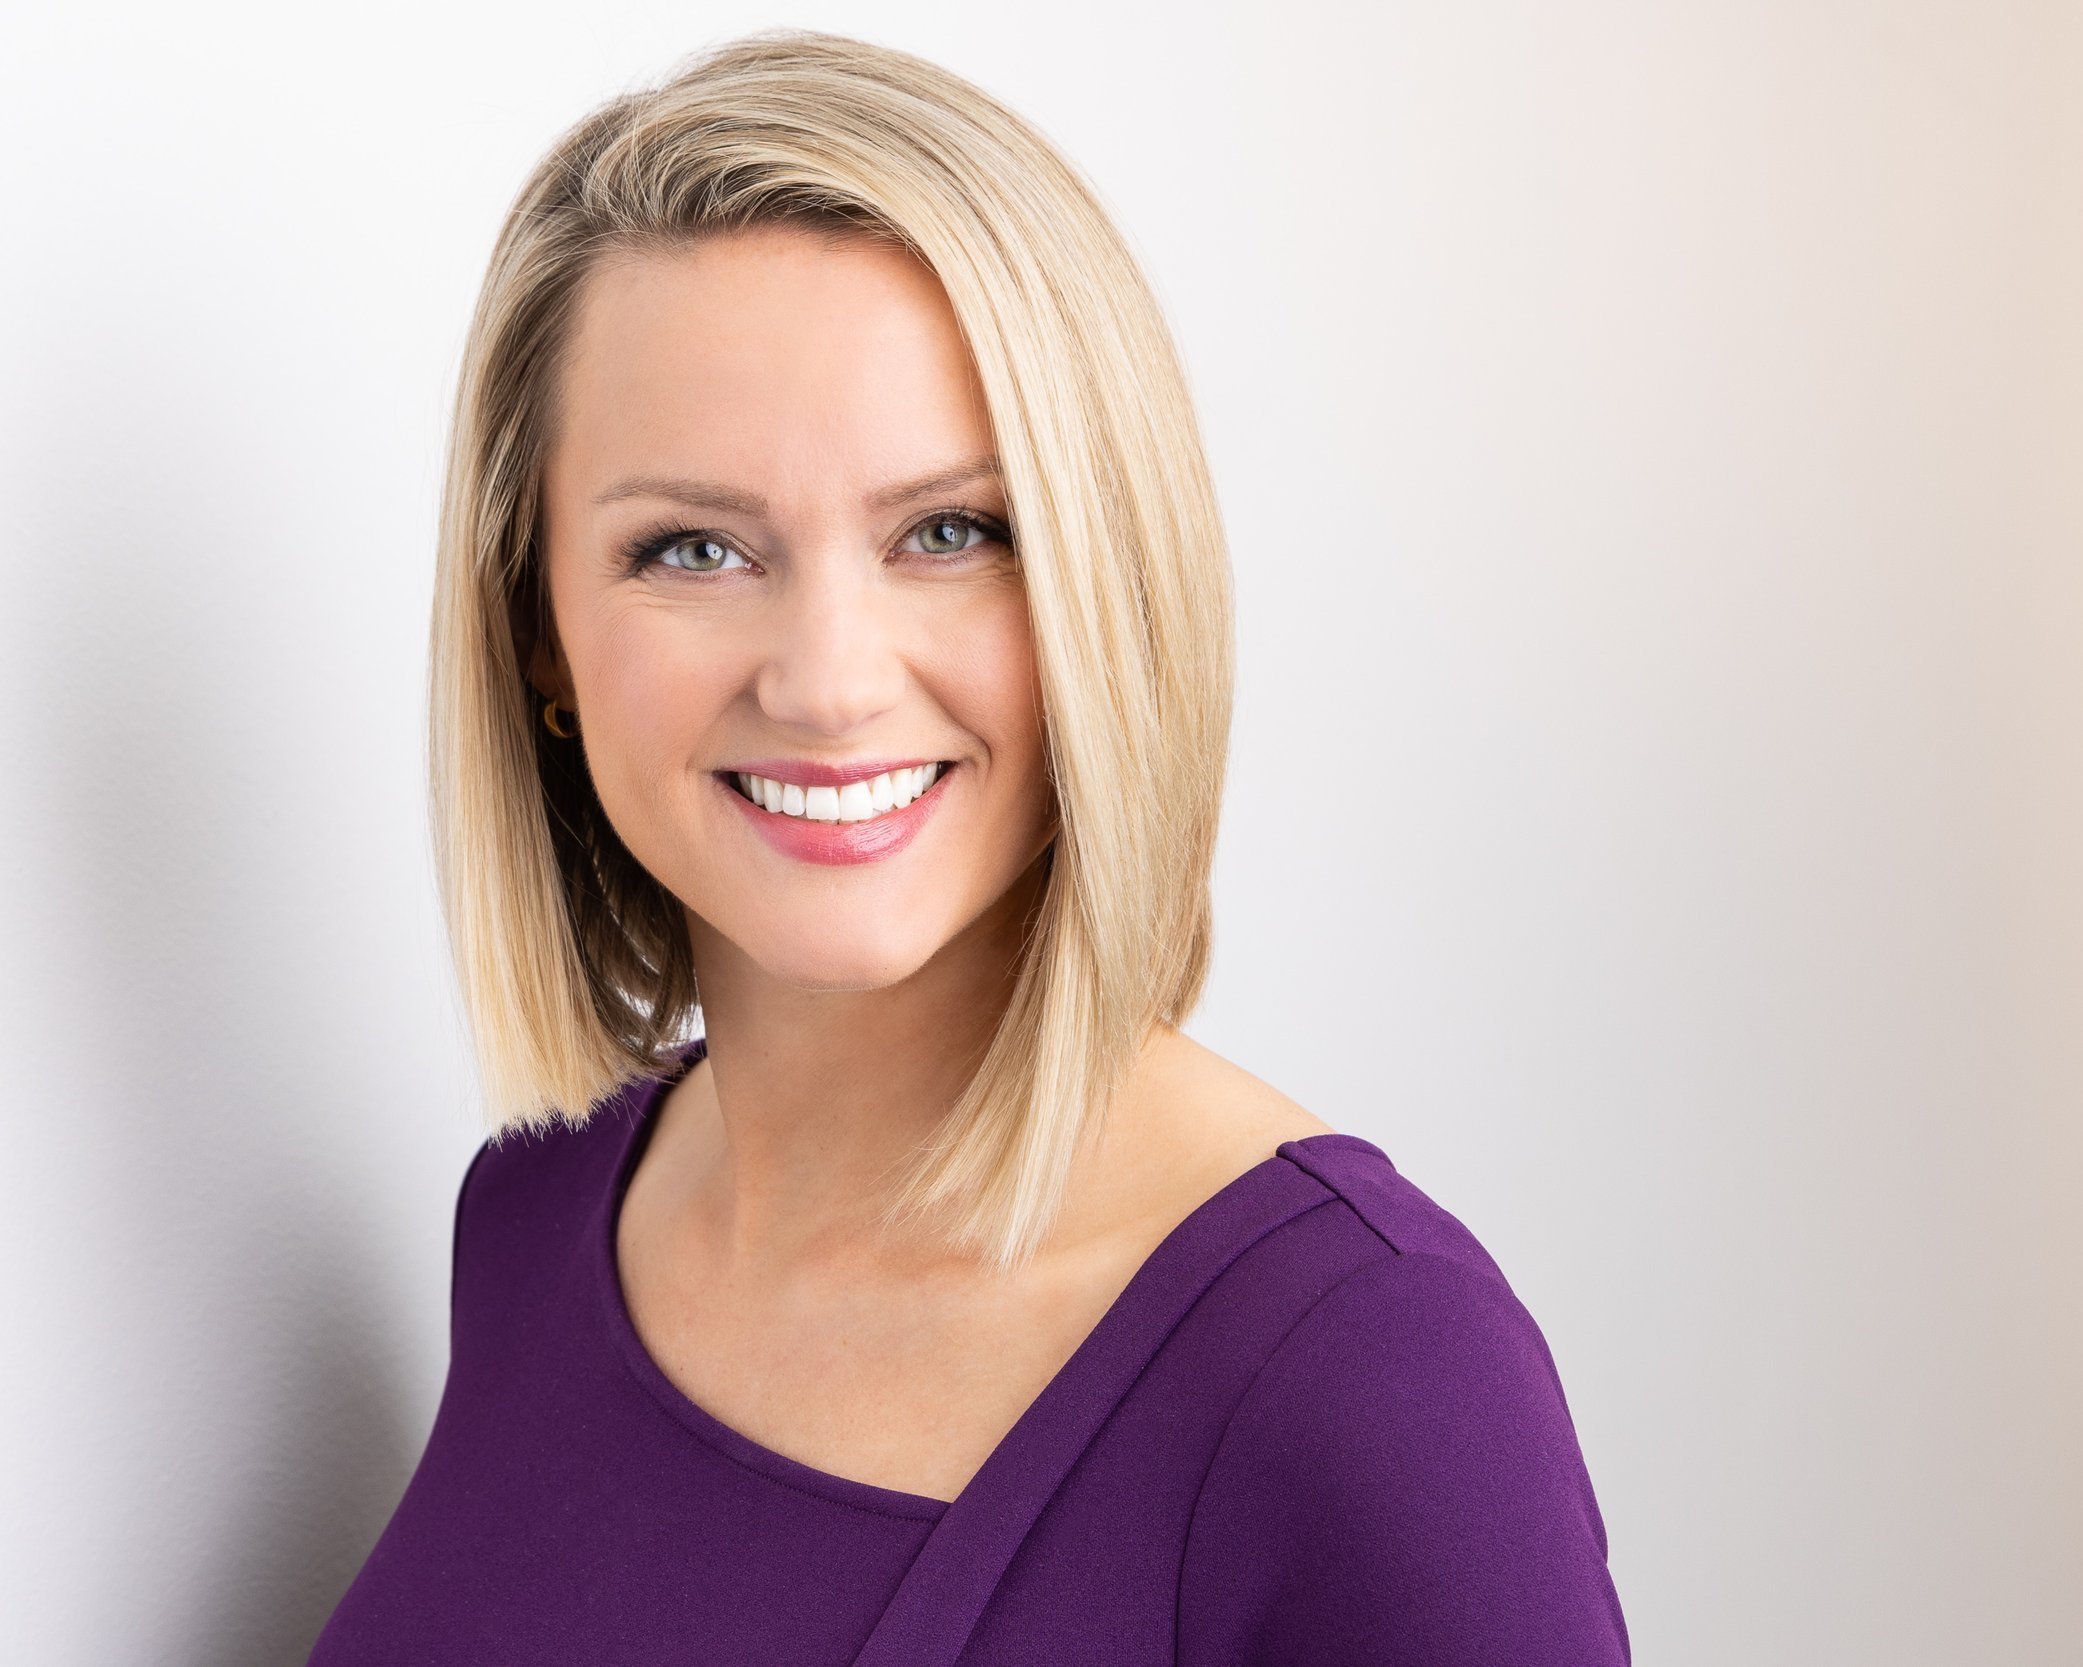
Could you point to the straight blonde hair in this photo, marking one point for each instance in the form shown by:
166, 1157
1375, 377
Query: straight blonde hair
574, 964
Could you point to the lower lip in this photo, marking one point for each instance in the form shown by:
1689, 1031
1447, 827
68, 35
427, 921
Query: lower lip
838, 843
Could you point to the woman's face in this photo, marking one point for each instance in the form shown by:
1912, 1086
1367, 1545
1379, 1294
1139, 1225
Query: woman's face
776, 546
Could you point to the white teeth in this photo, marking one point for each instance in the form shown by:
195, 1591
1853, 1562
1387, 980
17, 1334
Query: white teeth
857, 801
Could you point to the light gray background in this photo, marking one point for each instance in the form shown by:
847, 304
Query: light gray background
1650, 436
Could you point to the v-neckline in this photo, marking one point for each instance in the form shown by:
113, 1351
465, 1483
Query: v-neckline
1183, 1252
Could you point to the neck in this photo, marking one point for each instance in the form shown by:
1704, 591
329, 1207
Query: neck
786, 1137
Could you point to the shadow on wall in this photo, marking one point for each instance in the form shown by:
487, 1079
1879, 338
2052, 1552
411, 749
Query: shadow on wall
344, 1447
241, 1401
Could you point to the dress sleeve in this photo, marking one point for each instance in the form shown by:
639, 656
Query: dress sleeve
1401, 1486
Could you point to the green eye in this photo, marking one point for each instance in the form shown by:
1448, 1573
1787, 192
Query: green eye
945, 535
948, 534
710, 555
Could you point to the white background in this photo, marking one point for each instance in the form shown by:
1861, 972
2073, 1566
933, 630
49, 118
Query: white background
1651, 438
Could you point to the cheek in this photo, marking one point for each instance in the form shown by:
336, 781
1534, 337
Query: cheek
998, 678
649, 694
637, 672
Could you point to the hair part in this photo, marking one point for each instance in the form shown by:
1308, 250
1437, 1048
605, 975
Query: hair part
574, 963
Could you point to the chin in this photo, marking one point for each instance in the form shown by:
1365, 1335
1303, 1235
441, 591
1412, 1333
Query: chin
835, 964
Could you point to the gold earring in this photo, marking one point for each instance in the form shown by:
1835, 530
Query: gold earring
549, 718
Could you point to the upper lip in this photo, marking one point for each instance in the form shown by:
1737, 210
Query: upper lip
804, 773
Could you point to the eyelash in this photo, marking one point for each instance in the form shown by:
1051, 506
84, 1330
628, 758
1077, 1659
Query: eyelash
645, 549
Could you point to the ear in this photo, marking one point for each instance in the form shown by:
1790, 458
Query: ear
536, 646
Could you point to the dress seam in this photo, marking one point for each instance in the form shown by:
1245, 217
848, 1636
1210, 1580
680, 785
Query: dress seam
1389, 1254
687, 1430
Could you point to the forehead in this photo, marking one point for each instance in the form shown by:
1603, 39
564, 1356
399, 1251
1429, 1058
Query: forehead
766, 355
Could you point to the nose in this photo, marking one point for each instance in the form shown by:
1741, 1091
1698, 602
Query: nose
833, 659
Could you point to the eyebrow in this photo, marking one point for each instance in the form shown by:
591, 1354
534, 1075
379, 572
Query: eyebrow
708, 494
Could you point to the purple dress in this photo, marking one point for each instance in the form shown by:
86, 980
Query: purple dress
1316, 1428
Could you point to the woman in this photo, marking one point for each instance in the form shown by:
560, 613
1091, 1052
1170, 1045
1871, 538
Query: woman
832, 628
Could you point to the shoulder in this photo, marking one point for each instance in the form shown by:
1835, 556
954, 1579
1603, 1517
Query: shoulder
526, 1191
1208, 1092
1214, 1121
1403, 1217
1196, 1122
1401, 1479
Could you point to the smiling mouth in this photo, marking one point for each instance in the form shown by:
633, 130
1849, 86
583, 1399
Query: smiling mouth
857, 801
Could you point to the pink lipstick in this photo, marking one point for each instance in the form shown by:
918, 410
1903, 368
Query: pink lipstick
828, 842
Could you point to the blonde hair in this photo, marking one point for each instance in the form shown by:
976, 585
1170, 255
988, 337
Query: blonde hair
574, 964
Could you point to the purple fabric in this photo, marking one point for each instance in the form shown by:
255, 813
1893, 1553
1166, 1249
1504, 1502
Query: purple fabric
1316, 1428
